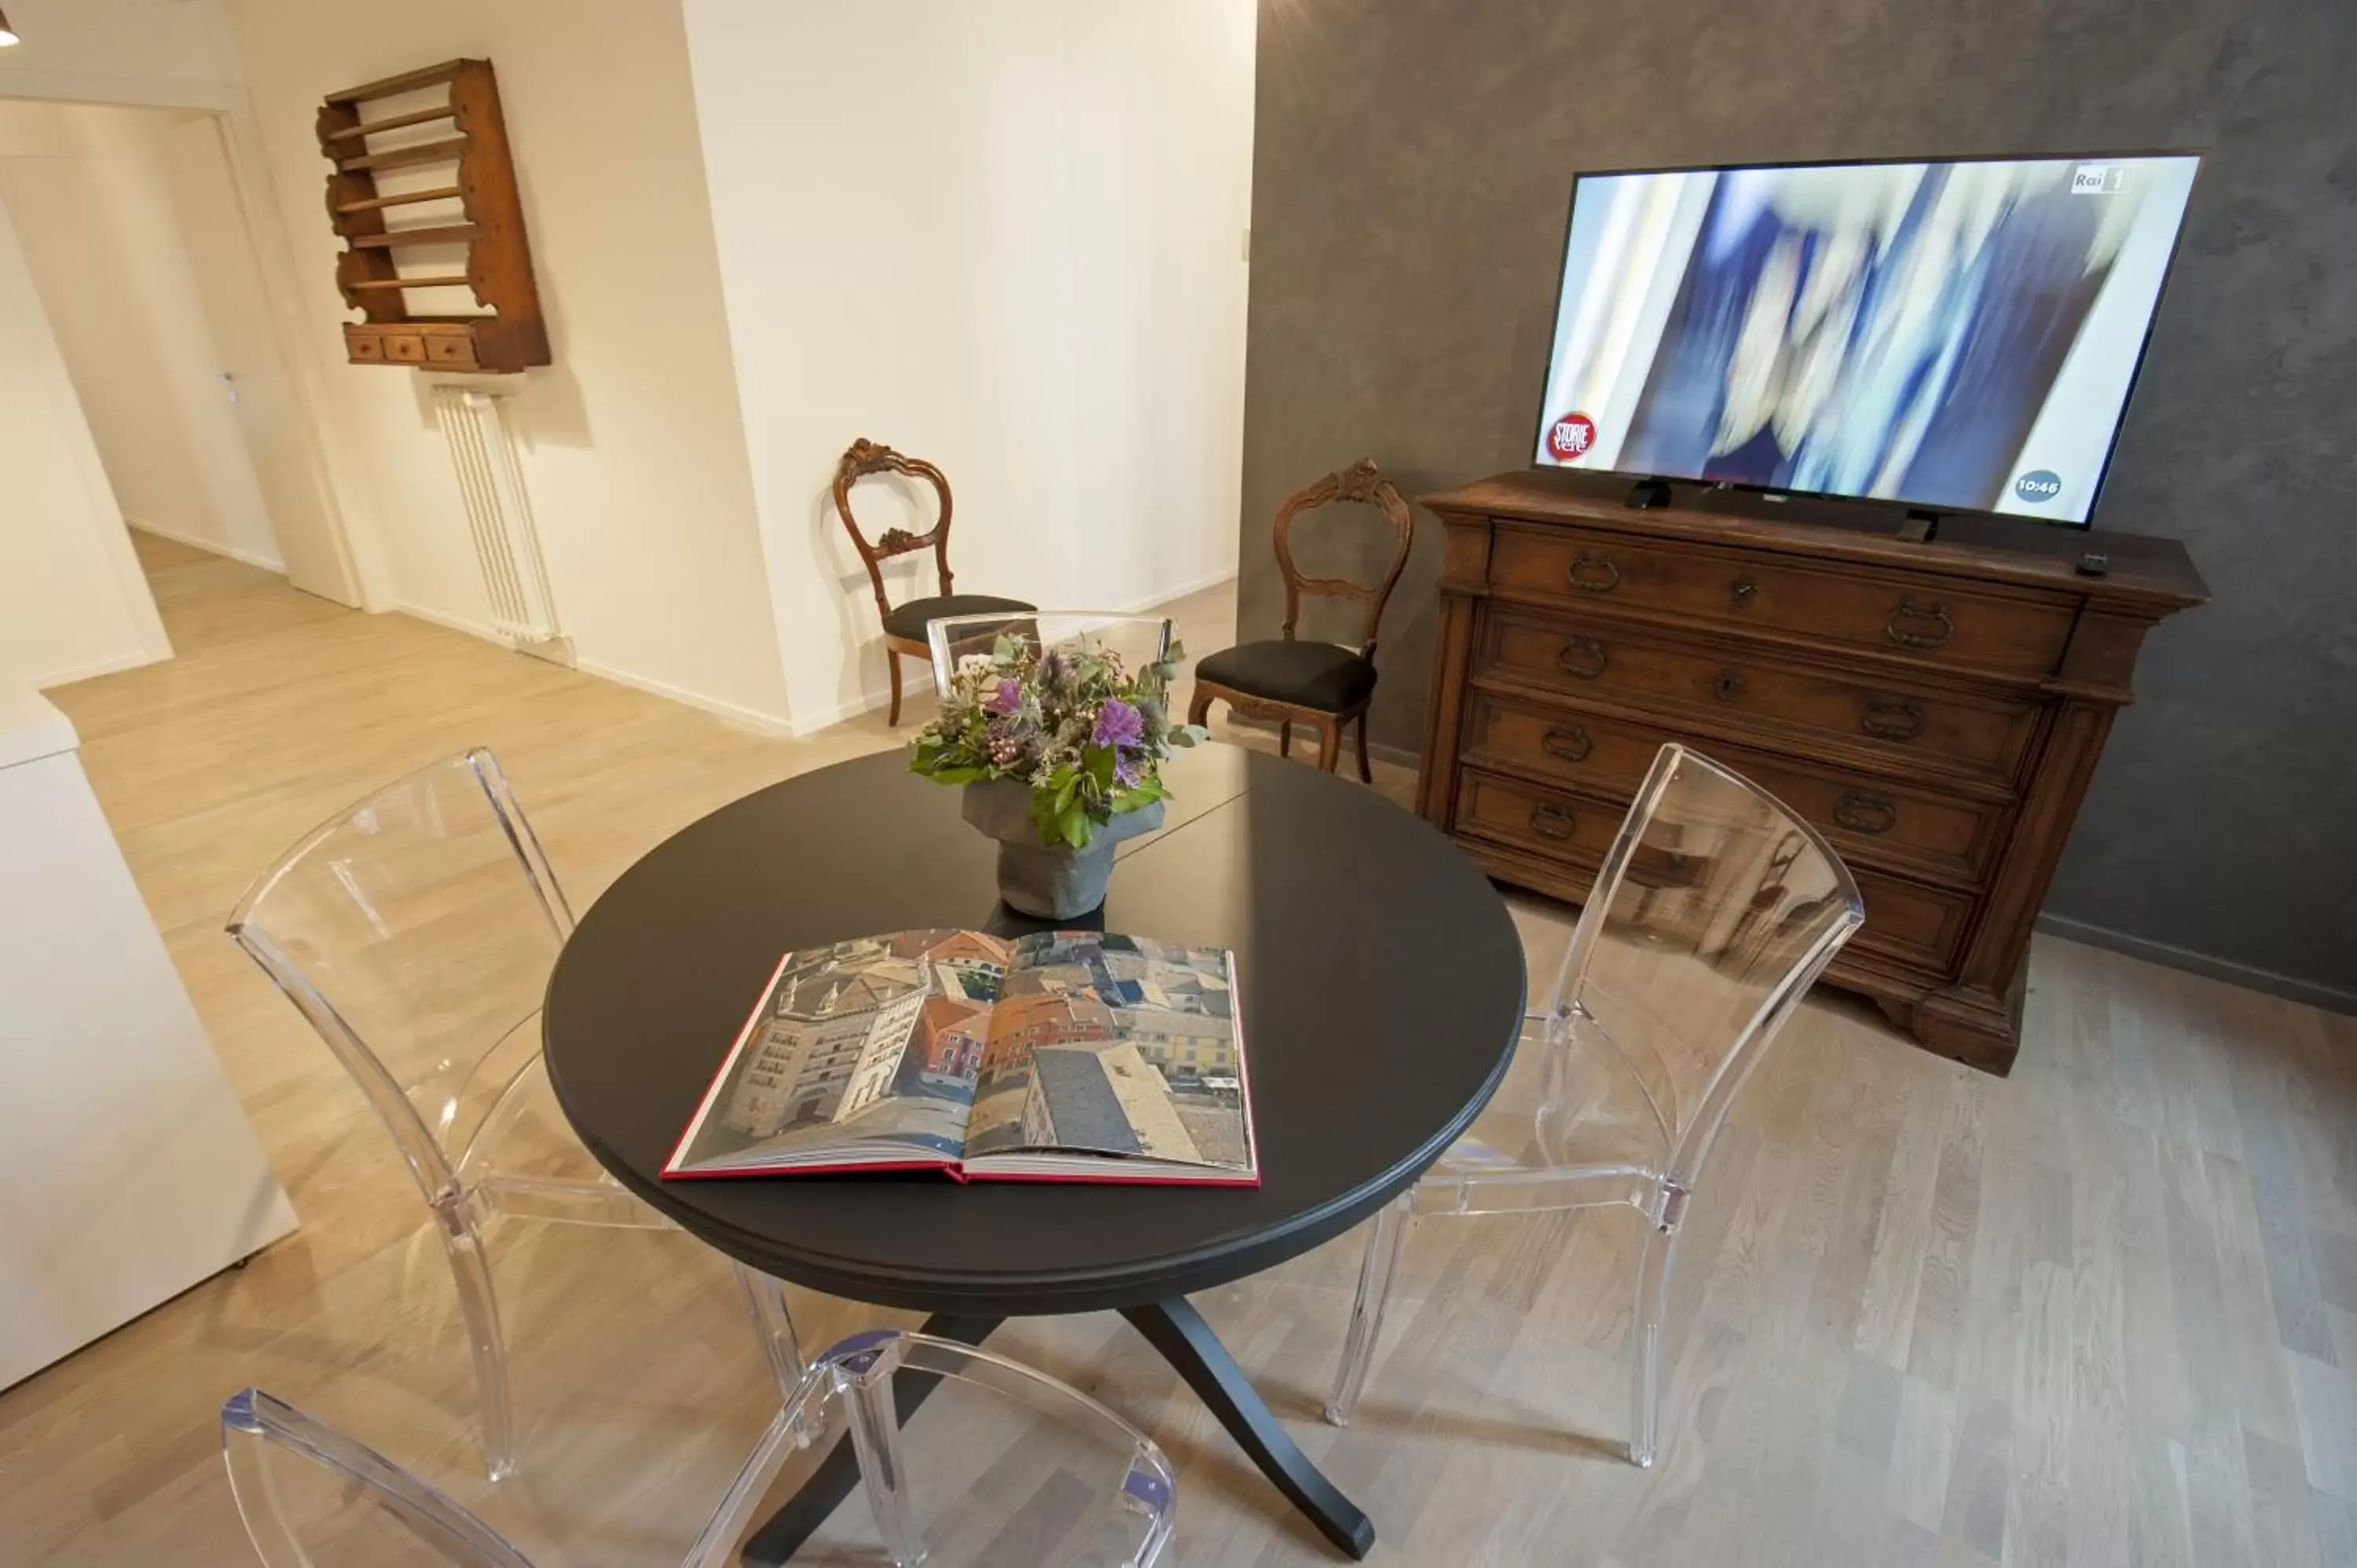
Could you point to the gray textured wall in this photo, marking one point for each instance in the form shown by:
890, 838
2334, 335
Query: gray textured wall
1413, 162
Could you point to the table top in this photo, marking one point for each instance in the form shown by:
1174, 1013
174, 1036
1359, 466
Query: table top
1381, 989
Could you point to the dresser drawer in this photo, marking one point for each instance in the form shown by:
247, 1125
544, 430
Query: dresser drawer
1529, 817
2020, 634
1922, 926
1907, 827
1885, 723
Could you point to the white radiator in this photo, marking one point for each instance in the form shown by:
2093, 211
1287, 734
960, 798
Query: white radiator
499, 514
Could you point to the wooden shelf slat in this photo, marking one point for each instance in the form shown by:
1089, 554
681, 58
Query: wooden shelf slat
458, 282
438, 234
401, 158
401, 199
369, 127
447, 72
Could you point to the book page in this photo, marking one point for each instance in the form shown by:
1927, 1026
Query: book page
868, 1042
1116, 1045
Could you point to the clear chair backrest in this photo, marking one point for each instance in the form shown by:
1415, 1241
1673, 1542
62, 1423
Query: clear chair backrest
312, 1498
1136, 640
1712, 916
1032, 1470
415, 932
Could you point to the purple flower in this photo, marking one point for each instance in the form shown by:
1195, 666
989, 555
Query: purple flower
1118, 723
1008, 698
1126, 766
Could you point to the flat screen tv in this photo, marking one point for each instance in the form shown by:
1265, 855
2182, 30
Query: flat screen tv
1957, 336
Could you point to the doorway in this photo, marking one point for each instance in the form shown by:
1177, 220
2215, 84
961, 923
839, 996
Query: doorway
133, 236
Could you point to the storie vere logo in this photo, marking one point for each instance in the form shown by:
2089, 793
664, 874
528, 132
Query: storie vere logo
2039, 484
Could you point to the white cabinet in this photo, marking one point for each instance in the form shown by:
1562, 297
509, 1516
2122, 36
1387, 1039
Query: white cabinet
127, 1169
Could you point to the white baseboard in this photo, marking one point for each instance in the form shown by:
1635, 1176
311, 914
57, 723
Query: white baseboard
93, 669
720, 707
210, 547
914, 672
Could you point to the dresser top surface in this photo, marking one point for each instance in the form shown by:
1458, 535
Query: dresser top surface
2154, 573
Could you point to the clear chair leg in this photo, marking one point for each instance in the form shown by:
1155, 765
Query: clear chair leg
875, 1439
1385, 1238
716, 1546
765, 1303
1652, 1308
470, 1268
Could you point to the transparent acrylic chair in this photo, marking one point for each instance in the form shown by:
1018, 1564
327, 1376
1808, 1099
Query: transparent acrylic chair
415, 932
1137, 640
1074, 1486
1710, 919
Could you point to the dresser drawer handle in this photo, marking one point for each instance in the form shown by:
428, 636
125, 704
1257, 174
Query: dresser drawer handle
1725, 684
1551, 823
1890, 719
1583, 658
1863, 813
1593, 573
1571, 745
1925, 625
1742, 590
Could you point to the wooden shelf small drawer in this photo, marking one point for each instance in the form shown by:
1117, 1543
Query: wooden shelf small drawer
1891, 724
405, 347
452, 350
363, 347
1877, 821
2018, 634
1527, 817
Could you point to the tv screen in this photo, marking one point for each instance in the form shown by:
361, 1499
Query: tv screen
1952, 335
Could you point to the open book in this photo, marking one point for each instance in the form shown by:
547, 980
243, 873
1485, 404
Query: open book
1064, 1056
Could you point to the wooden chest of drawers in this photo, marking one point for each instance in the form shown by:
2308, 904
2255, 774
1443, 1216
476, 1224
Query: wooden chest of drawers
1936, 709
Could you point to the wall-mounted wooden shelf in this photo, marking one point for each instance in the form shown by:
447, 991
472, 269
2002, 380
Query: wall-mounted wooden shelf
488, 225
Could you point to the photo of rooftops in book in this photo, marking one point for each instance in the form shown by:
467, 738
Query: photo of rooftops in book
1064, 1055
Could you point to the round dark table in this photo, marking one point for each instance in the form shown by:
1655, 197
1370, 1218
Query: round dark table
1381, 993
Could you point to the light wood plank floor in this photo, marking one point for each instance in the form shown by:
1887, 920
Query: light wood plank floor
2101, 1312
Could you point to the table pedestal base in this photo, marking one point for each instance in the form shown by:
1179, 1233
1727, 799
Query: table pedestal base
1175, 1330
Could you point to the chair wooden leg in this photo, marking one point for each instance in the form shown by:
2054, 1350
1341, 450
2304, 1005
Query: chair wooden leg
892, 659
1284, 738
1330, 745
1200, 708
1366, 774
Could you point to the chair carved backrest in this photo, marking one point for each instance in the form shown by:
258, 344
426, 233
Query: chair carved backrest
415, 932
1362, 482
1714, 912
864, 458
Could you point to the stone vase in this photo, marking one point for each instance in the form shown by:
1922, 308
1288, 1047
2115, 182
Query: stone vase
1048, 883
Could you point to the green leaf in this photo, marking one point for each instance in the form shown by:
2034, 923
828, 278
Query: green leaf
1187, 734
960, 775
1077, 828
1100, 760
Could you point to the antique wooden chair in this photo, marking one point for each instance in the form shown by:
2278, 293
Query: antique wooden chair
904, 627
1324, 685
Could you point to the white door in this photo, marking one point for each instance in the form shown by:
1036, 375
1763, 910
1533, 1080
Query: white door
220, 256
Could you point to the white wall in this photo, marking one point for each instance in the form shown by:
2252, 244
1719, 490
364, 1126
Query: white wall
92, 192
72, 603
1006, 236
634, 456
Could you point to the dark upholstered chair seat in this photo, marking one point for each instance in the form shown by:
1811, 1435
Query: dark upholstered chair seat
910, 619
1318, 675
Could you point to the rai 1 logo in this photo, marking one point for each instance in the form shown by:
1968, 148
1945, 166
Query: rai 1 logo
1569, 438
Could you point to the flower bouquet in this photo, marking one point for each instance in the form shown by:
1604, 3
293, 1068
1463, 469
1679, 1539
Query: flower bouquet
1061, 753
